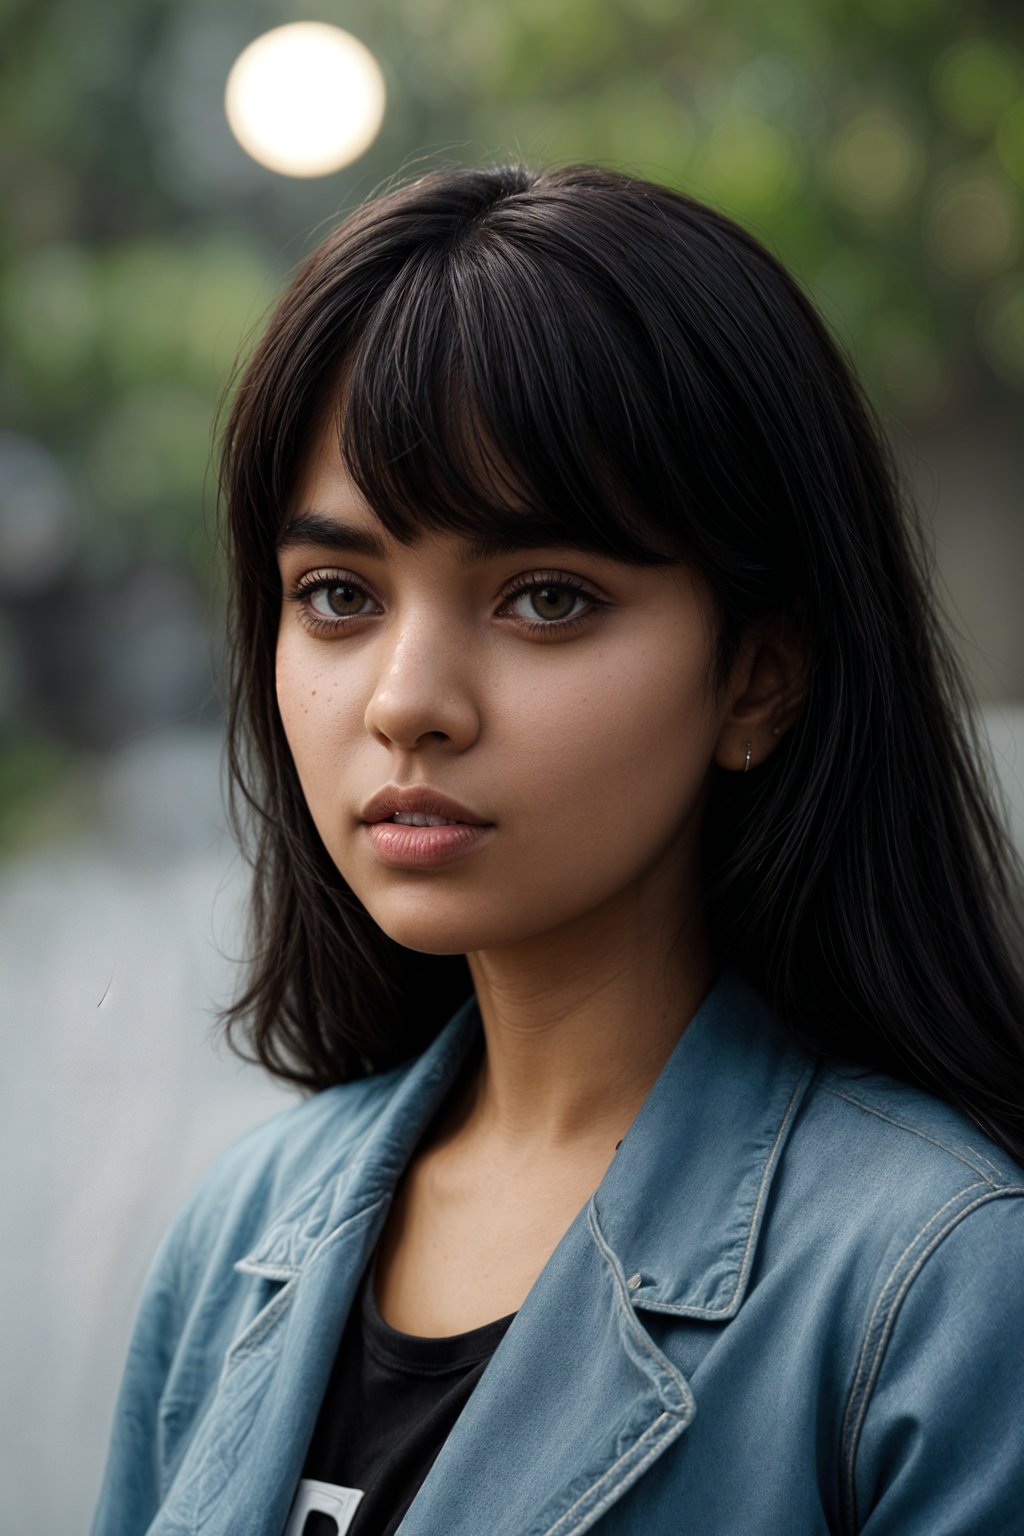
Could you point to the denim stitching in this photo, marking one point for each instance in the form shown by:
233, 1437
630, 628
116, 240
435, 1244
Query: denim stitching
663, 1365
341, 1232
560, 1529
267, 1271
678, 1420
264, 1320
851, 1435
257, 1330
880, 1299
869, 1109
715, 1312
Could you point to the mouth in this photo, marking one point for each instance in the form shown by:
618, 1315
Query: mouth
411, 845
418, 805
408, 820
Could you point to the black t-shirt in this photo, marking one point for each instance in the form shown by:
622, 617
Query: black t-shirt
390, 1404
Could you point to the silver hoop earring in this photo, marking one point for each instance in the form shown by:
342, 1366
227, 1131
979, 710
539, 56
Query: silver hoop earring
746, 765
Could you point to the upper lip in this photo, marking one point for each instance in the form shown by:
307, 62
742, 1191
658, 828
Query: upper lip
418, 797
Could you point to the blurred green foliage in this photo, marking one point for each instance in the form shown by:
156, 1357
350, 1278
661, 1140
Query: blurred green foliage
876, 145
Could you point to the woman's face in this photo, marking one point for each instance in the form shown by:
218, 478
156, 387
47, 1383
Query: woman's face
587, 745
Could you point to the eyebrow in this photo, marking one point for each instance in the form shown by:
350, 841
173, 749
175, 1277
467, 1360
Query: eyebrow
328, 533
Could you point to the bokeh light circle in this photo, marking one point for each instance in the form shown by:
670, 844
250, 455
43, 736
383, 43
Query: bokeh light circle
910, 367
974, 82
973, 226
1000, 328
305, 99
749, 165
1010, 141
876, 162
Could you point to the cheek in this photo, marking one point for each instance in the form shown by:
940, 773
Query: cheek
626, 746
308, 705
296, 695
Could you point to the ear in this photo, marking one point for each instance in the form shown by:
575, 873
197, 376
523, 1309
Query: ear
764, 697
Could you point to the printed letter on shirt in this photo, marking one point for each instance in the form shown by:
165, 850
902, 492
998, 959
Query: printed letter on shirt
313, 1498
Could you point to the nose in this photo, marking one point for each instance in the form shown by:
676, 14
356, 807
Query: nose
423, 690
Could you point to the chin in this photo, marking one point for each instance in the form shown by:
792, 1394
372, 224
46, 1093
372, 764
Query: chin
419, 920
424, 929
426, 944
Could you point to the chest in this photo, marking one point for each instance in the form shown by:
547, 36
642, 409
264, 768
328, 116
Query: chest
463, 1245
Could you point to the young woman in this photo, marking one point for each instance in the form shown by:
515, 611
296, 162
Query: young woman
631, 901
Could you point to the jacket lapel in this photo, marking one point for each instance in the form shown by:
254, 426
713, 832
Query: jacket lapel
573, 1407
578, 1401
241, 1471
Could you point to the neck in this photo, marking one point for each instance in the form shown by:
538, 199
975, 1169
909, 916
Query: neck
576, 1030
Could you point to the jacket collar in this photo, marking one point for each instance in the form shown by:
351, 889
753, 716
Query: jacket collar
683, 1200
578, 1400
705, 1144
344, 1186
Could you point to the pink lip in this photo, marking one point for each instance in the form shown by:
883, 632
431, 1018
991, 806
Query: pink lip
422, 847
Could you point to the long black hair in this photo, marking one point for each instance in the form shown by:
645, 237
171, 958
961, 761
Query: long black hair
583, 357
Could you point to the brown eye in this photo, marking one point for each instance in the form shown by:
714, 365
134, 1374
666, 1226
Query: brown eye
553, 602
339, 599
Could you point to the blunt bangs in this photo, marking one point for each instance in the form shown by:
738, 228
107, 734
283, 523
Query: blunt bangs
478, 401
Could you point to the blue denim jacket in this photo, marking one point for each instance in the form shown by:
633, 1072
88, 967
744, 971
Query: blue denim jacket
794, 1304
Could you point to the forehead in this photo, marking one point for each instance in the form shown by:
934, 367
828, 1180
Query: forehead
329, 510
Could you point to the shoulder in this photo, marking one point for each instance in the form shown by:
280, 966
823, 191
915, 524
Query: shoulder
898, 1227
917, 1129
880, 1165
879, 1181
908, 1162
272, 1190
924, 1224
913, 1168
325, 1128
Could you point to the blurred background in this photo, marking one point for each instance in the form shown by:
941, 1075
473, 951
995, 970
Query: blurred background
876, 146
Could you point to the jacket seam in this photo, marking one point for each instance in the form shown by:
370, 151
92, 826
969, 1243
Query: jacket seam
252, 1336
762, 1190
561, 1529
688, 1309
903, 1125
864, 1384
260, 1271
663, 1366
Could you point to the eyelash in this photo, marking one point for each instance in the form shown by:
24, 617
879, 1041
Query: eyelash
321, 581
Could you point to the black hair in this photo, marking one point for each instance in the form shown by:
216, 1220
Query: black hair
584, 357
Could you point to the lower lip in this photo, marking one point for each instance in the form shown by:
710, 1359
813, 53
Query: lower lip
421, 847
